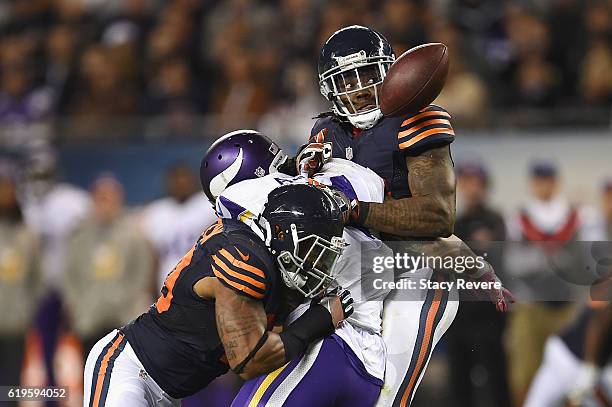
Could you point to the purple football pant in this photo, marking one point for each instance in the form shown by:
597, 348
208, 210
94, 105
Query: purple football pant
329, 374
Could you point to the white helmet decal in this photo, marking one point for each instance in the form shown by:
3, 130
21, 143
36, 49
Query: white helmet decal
221, 180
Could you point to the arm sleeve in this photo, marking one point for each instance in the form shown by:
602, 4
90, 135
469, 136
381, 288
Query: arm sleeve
427, 129
240, 270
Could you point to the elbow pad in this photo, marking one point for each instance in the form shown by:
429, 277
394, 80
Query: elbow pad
316, 323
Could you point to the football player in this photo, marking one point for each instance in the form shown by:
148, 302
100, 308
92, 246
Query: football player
346, 368
219, 303
412, 155
238, 171
577, 362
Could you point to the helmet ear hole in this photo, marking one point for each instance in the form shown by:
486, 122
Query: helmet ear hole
219, 156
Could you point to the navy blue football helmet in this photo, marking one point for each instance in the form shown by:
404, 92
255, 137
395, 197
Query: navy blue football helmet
238, 156
303, 227
353, 63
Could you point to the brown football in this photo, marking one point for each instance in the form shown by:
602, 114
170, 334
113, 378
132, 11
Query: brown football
414, 80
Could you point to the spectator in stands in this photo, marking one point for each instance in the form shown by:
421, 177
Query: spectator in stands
291, 120
25, 109
174, 98
299, 20
173, 223
61, 55
52, 209
595, 84
546, 224
403, 23
108, 266
476, 354
239, 99
598, 20
105, 97
464, 95
19, 278
70, 11
172, 35
534, 80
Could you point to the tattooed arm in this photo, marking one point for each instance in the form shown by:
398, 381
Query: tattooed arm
241, 323
472, 266
430, 211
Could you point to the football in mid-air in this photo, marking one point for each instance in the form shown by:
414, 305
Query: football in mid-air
414, 80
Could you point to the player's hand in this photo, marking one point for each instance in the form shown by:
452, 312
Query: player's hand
500, 297
339, 303
358, 212
311, 157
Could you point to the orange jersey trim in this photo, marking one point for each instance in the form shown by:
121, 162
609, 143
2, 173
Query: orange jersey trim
239, 276
425, 134
425, 114
239, 287
242, 264
420, 126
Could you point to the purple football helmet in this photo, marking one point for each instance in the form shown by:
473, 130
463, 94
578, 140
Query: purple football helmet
238, 156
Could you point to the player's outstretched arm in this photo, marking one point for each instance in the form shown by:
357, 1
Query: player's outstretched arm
430, 212
473, 267
250, 349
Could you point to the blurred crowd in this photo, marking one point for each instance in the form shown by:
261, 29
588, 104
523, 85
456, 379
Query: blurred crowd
79, 69
75, 264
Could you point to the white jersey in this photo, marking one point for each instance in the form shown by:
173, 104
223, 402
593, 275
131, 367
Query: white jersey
174, 227
245, 201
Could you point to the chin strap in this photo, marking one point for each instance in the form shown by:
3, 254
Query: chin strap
366, 120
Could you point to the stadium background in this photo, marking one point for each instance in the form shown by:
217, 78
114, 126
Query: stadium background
116, 93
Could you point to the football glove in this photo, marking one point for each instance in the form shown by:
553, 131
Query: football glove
339, 303
500, 297
311, 158
359, 212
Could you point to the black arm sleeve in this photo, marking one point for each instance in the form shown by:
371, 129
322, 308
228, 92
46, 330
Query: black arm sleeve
316, 323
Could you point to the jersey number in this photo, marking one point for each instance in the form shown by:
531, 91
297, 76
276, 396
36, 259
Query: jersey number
164, 300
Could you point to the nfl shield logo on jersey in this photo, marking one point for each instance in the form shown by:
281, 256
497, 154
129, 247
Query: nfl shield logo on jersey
349, 153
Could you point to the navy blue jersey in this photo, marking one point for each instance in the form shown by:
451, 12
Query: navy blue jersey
177, 340
384, 147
